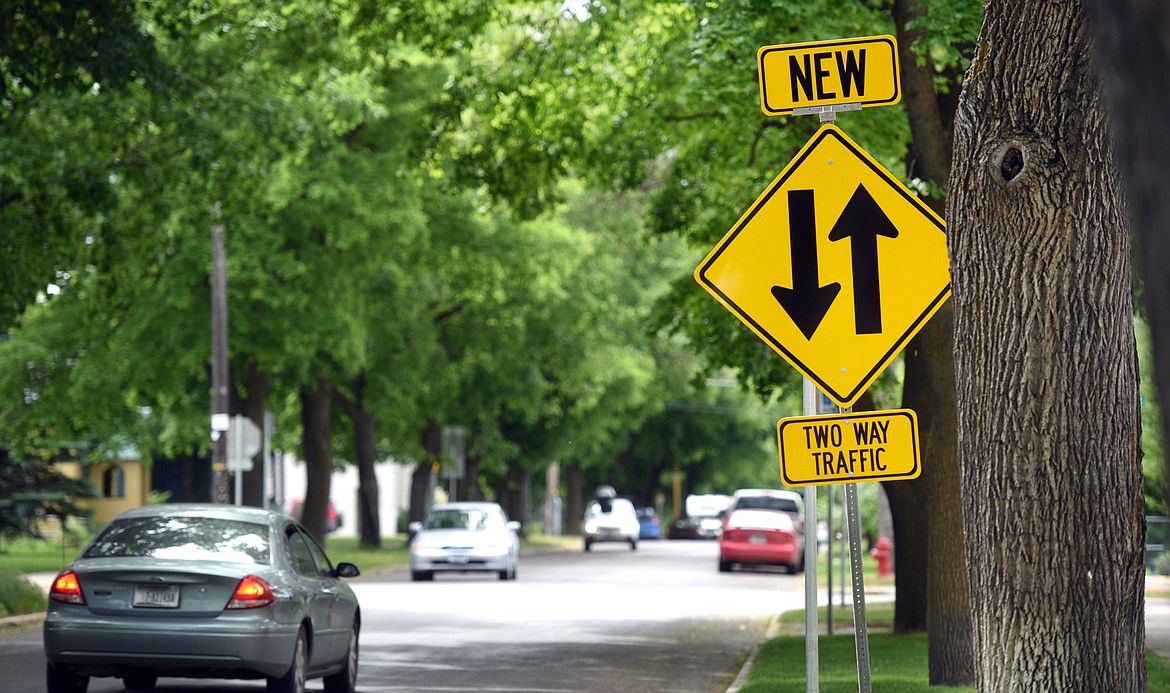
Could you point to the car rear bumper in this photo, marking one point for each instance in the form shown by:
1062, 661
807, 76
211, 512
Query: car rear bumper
610, 535
786, 554
462, 563
107, 646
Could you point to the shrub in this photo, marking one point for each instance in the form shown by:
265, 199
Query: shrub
1162, 563
19, 596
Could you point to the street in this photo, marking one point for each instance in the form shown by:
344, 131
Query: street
659, 618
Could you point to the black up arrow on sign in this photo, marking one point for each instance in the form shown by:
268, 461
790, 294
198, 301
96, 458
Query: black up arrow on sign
863, 221
807, 301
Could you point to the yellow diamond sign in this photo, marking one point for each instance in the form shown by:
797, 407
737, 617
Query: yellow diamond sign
836, 265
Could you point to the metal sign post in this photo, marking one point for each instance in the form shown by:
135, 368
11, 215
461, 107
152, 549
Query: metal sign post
860, 626
812, 673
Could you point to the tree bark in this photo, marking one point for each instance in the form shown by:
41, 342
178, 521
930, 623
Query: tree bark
574, 508
1045, 364
369, 513
421, 478
1133, 51
317, 441
931, 570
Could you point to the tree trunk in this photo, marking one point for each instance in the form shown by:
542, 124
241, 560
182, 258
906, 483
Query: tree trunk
1133, 51
422, 478
909, 508
929, 390
574, 510
317, 442
930, 365
512, 491
1045, 364
369, 512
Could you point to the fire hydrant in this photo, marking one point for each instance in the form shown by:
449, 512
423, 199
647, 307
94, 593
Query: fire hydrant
882, 554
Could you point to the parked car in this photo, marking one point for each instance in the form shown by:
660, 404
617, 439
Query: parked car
200, 590
789, 502
611, 519
683, 528
649, 527
465, 537
760, 537
333, 519
708, 511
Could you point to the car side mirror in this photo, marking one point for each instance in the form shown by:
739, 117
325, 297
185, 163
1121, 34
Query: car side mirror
514, 525
346, 570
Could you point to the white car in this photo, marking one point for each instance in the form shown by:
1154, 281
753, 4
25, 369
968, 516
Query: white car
465, 537
611, 519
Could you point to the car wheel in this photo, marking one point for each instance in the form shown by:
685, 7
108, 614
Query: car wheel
725, 566
508, 573
633, 545
588, 544
64, 681
140, 681
345, 681
421, 575
293, 680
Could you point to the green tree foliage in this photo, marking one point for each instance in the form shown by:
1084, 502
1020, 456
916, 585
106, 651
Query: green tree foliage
33, 488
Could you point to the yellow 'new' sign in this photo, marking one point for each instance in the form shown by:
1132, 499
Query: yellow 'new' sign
860, 71
847, 448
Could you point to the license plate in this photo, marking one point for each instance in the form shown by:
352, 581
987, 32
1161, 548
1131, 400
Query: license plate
757, 539
457, 559
156, 596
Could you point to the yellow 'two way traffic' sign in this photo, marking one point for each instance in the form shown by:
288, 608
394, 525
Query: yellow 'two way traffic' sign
836, 265
859, 71
847, 448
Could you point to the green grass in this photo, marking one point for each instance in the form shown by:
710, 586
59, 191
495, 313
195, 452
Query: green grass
28, 555
898, 663
19, 596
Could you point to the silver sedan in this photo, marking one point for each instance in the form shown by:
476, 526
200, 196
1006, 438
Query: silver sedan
465, 537
201, 591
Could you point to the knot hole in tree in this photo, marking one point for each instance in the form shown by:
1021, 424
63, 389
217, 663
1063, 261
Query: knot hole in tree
1009, 162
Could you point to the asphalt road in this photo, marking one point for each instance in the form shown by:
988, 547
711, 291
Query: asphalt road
659, 618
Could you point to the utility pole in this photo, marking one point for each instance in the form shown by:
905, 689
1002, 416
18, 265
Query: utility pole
219, 361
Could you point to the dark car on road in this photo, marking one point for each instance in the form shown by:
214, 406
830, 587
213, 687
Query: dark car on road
203, 591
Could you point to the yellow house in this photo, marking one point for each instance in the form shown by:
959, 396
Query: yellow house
122, 483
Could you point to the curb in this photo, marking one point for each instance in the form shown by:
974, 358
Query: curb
19, 621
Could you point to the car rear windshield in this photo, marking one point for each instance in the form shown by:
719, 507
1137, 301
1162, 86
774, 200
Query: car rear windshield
759, 519
183, 538
767, 503
463, 519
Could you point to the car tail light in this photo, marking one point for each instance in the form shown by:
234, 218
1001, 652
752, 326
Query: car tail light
251, 593
66, 589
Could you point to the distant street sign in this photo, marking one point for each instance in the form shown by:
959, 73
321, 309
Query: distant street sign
847, 448
243, 443
858, 71
836, 265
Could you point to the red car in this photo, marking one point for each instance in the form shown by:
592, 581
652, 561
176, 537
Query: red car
333, 519
760, 537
